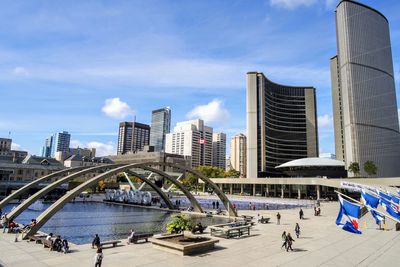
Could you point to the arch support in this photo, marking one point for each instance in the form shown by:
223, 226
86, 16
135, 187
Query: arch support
195, 204
30, 185
155, 188
24, 205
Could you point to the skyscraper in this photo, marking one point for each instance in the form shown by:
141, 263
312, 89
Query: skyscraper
238, 153
46, 149
59, 142
219, 150
281, 125
160, 126
132, 137
191, 138
363, 89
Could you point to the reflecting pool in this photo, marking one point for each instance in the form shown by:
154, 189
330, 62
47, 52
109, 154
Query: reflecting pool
79, 222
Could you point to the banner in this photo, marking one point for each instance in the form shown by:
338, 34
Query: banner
356, 187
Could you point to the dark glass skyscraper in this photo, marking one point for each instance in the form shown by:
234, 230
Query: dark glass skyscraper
160, 126
281, 125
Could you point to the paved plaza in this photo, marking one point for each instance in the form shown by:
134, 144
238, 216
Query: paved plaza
321, 243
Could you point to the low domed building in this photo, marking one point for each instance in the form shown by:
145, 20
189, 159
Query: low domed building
314, 167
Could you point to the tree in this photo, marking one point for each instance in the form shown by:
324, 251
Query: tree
179, 224
232, 173
370, 168
191, 180
354, 167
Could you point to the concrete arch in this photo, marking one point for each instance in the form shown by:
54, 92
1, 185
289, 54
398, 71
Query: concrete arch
217, 190
195, 204
24, 205
155, 188
28, 186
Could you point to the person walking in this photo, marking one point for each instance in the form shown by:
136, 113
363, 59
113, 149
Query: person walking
283, 239
301, 214
289, 242
315, 211
217, 205
213, 205
278, 218
98, 257
297, 230
4, 222
96, 241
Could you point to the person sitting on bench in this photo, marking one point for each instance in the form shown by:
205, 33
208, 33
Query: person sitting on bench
130, 237
198, 228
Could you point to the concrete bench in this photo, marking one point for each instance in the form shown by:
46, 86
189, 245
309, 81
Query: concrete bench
264, 220
229, 232
37, 238
113, 243
142, 236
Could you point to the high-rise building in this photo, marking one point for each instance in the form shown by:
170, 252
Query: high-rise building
363, 89
5, 145
160, 126
238, 154
132, 137
59, 142
281, 125
191, 138
46, 149
219, 150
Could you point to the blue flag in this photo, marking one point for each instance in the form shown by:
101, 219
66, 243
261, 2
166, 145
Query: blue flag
390, 207
373, 202
348, 216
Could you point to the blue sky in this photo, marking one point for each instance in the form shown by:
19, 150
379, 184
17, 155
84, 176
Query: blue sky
84, 66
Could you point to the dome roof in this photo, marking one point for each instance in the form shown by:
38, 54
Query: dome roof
307, 162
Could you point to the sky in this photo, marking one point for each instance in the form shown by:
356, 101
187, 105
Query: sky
85, 66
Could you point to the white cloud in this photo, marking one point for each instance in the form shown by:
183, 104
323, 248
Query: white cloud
291, 4
102, 149
325, 121
213, 112
20, 71
15, 146
117, 109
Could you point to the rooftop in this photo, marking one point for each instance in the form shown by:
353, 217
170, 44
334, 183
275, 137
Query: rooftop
312, 162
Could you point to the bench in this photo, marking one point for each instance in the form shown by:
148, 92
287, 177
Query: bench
47, 243
111, 242
37, 238
264, 220
143, 236
229, 231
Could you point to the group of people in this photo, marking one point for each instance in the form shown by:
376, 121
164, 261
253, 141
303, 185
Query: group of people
58, 244
98, 257
215, 204
288, 239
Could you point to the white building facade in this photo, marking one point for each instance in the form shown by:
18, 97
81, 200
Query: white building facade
194, 139
219, 150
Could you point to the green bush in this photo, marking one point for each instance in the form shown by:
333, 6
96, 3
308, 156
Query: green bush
179, 224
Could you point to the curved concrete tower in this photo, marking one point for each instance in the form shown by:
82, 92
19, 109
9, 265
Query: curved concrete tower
363, 89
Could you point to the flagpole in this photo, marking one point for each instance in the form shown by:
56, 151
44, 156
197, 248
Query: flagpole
381, 213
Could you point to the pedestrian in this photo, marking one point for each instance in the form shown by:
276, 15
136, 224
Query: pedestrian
297, 230
131, 236
98, 257
65, 245
96, 241
283, 239
217, 205
278, 218
289, 241
319, 212
254, 206
213, 205
4, 222
315, 211
301, 214
250, 206
234, 207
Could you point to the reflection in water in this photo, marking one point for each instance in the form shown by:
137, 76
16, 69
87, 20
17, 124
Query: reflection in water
79, 222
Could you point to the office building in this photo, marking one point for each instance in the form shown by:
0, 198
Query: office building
194, 139
219, 150
60, 142
363, 89
160, 126
132, 137
238, 154
46, 149
5, 145
281, 125
9, 155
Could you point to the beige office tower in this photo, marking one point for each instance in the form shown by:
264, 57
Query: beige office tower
363, 89
238, 154
281, 125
